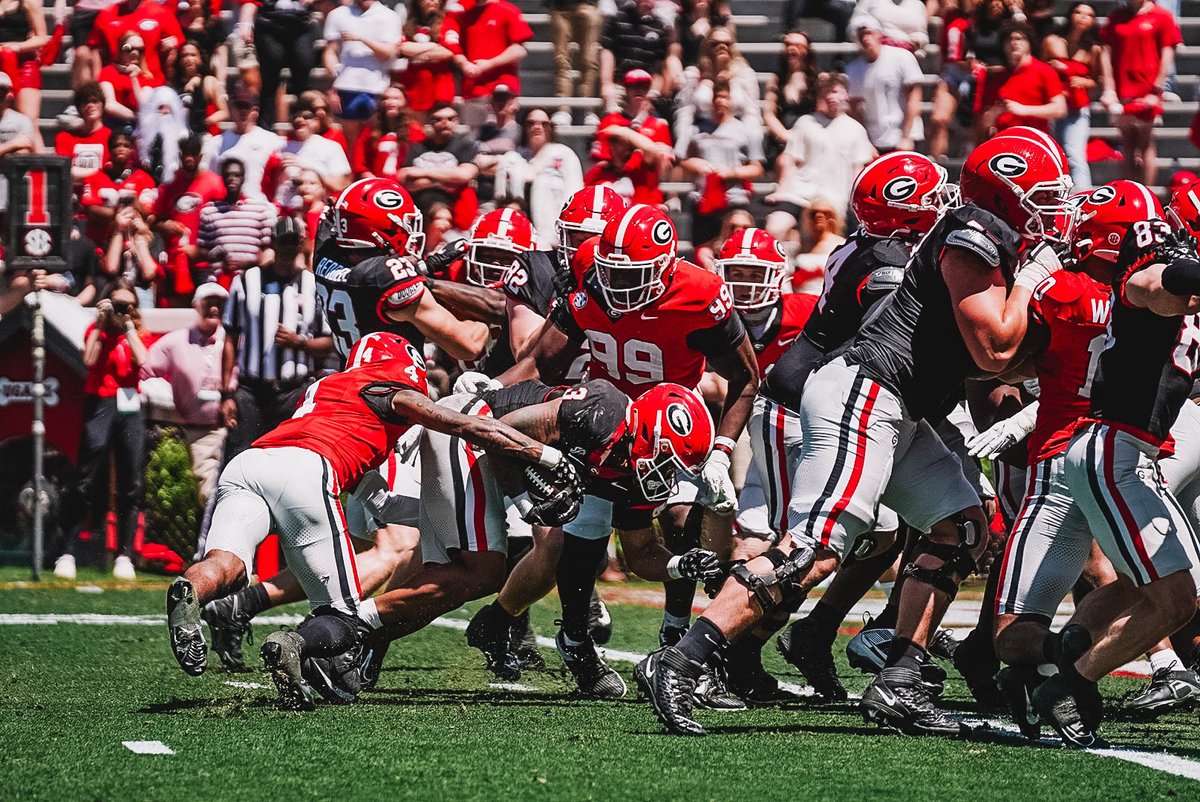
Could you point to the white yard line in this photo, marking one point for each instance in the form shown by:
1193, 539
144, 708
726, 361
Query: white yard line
148, 747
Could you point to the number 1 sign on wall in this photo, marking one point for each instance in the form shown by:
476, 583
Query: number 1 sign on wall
40, 211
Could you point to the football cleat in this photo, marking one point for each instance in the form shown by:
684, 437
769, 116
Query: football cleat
600, 625
813, 660
1054, 703
1016, 684
1167, 689
750, 682
669, 636
339, 679
372, 665
898, 699
592, 676
489, 634
867, 651
229, 624
524, 646
184, 628
712, 690
667, 677
281, 658
934, 677
976, 661
943, 644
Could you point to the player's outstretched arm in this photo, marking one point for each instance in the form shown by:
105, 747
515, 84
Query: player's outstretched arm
470, 302
461, 339
992, 320
549, 359
739, 368
1167, 290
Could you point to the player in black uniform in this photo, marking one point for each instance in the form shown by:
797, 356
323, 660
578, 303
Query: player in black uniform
1143, 379
629, 453
865, 432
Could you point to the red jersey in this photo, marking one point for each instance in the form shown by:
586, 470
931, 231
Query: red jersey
149, 20
336, 422
1137, 41
633, 180
122, 85
783, 327
1034, 84
181, 199
86, 152
484, 31
426, 83
1076, 309
382, 155
114, 368
666, 341
101, 190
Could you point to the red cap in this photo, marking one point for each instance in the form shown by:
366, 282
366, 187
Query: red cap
1183, 178
638, 77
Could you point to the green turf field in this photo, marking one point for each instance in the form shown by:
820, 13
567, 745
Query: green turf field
435, 729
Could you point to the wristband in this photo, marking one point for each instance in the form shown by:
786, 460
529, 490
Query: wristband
228, 395
725, 445
673, 567
550, 457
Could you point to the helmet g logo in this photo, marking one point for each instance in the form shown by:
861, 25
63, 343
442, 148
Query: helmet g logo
388, 199
1009, 165
1102, 195
899, 189
661, 233
679, 418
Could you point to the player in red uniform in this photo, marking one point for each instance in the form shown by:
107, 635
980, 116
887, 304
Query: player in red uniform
647, 317
292, 478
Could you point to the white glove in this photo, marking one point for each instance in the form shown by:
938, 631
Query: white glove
473, 382
720, 494
1040, 262
1004, 434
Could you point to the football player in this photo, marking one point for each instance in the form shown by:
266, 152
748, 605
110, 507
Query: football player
647, 317
292, 478
960, 310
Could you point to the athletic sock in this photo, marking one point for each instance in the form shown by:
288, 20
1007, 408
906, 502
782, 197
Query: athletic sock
253, 599
823, 622
369, 613
502, 617
576, 581
702, 640
903, 653
676, 621
1165, 660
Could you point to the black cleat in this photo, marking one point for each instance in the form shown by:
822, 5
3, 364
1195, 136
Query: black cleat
524, 645
1054, 703
976, 661
750, 682
668, 678
281, 657
669, 636
184, 628
339, 679
600, 624
490, 634
372, 667
813, 660
1167, 689
229, 625
867, 651
1016, 684
898, 699
712, 691
943, 644
592, 676
934, 678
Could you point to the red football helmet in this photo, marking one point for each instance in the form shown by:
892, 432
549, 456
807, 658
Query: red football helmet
753, 264
1183, 210
1103, 218
382, 346
670, 431
377, 213
635, 257
1036, 135
584, 215
497, 239
901, 193
1022, 180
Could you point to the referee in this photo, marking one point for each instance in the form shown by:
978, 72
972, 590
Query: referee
275, 335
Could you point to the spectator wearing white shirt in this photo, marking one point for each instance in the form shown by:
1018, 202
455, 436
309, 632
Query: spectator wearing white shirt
824, 153
903, 23
247, 142
885, 91
361, 42
308, 150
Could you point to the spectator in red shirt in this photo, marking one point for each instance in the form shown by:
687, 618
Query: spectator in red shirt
158, 27
1031, 92
1074, 50
113, 426
429, 76
382, 148
488, 41
177, 218
86, 146
22, 37
632, 167
637, 112
121, 182
121, 81
1139, 41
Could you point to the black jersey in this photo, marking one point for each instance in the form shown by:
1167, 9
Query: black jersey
1146, 372
591, 422
861, 272
531, 280
911, 343
352, 293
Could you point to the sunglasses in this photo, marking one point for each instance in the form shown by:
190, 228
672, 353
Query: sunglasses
445, 119
122, 307
132, 49
304, 115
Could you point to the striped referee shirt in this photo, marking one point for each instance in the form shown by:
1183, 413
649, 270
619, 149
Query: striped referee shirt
258, 303
234, 234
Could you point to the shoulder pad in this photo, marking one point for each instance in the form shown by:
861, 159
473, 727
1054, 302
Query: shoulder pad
884, 279
891, 252
995, 229
977, 242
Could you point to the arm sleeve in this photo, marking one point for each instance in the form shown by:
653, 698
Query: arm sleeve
564, 321
1182, 277
720, 339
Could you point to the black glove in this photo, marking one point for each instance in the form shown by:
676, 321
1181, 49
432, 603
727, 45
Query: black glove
698, 565
437, 264
564, 283
1176, 246
552, 496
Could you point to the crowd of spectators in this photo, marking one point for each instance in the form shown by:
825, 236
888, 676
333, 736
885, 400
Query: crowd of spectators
197, 129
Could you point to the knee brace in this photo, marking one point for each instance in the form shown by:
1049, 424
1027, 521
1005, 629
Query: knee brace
782, 582
970, 532
957, 564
